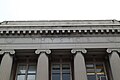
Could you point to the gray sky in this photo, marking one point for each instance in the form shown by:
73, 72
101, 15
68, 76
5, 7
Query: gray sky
59, 9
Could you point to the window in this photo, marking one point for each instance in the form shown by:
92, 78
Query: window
96, 71
26, 71
61, 71
60, 67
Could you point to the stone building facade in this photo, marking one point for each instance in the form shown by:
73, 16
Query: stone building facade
60, 50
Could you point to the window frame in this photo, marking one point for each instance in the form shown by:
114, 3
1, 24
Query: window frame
61, 63
27, 64
94, 65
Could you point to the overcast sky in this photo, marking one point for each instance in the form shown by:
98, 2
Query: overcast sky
59, 9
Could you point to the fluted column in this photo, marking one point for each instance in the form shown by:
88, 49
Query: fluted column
79, 64
42, 65
6, 64
114, 62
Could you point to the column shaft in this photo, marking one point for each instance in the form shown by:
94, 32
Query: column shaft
79, 67
6, 66
42, 67
115, 65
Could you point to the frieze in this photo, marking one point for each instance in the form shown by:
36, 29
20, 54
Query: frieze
61, 40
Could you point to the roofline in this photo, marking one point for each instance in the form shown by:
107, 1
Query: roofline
69, 20
65, 25
61, 23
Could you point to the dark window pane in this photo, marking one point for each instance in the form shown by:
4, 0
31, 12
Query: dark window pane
89, 65
32, 69
91, 77
21, 69
20, 77
55, 68
31, 77
65, 76
100, 70
90, 69
65, 68
55, 76
103, 78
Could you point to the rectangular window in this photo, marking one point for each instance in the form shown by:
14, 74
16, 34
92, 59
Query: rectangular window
96, 71
26, 72
61, 71
60, 65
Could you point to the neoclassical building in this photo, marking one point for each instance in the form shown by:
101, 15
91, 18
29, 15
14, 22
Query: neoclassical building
60, 50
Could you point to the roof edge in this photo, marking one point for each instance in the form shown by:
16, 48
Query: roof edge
46, 22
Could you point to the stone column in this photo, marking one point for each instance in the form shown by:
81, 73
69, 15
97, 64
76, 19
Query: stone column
79, 64
114, 63
6, 64
42, 65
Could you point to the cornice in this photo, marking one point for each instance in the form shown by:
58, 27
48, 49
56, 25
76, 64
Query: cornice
60, 24
24, 29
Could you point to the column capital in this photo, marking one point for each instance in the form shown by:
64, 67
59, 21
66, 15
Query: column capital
110, 50
47, 51
10, 51
79, 50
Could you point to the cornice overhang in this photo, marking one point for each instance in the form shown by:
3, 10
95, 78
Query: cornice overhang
68, 28
62, 25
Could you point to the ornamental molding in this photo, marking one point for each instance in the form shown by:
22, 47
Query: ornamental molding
47, 51
78, 50
110, 50
32, 29
10, 51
